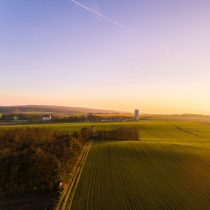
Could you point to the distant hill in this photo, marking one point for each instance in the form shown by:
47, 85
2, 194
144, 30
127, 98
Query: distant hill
51, 109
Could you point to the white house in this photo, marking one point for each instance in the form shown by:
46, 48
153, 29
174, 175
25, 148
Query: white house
47, 118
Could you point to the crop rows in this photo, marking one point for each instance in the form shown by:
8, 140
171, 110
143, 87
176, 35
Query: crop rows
144, 175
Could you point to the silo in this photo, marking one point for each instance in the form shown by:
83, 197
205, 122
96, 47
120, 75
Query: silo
136, 114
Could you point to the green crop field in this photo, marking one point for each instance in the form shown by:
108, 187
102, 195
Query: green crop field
149, 130
168, 169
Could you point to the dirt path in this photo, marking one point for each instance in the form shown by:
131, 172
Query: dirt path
68, 193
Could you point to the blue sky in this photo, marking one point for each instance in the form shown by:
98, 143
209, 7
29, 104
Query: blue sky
122, 54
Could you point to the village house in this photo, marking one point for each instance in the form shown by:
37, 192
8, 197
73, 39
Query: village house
46, 118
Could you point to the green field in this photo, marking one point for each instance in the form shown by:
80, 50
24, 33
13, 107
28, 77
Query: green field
168, 169
149, 130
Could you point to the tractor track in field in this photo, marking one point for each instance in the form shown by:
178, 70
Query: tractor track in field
66, 197
186, 131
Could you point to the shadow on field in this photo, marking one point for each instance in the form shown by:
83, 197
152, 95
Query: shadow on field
32, 201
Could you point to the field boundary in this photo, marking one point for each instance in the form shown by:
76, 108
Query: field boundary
67, 195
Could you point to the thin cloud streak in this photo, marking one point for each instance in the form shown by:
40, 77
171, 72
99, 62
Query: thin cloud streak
29, 72
101, 15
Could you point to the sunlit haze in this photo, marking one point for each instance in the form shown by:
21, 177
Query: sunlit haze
120, 55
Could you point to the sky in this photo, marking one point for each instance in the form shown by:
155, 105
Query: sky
122, 54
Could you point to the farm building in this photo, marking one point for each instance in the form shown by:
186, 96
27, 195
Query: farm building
46, 117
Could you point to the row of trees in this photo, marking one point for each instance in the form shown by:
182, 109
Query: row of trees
29, 117
38, 159
120, 133
35, 159
65, 118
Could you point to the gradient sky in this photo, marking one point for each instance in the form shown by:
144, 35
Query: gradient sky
123, 54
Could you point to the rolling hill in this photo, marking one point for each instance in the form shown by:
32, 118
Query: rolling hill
51, 109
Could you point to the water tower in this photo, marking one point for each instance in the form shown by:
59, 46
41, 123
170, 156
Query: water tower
136, 114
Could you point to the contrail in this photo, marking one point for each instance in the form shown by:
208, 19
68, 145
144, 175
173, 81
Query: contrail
32, 71
100, 15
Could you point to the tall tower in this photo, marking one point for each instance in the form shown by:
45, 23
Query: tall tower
136, 114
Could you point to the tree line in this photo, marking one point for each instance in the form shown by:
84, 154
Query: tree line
119, 133
63, 118
38, 159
